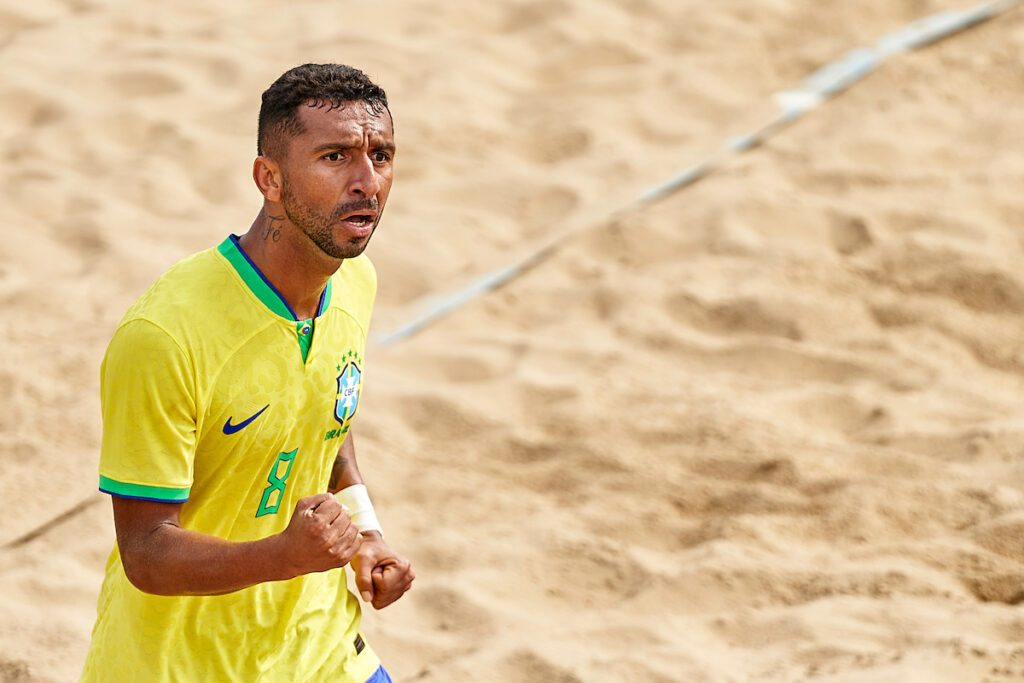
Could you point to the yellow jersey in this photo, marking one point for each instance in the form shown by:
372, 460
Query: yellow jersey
214, 395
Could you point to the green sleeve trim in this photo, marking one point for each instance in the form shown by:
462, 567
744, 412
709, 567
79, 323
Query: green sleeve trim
143, 492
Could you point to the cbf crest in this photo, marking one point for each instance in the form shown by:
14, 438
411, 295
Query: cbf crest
346, 399
350, 381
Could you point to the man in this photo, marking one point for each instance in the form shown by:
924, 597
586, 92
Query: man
228, 393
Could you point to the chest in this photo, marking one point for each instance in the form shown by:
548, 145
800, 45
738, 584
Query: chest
265, 398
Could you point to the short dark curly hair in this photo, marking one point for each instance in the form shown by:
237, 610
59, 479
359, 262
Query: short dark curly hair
317, 85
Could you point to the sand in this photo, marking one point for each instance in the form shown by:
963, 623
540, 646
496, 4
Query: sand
768, 429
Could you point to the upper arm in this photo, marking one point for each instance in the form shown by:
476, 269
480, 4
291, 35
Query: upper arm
147, 397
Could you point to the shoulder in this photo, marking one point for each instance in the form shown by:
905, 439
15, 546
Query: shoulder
354, 288
183, 294
358, 272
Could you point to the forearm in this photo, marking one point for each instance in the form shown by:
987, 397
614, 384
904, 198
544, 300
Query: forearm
381, 575
345, 471
344, 474
175, 561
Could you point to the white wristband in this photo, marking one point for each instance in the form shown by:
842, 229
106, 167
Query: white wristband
357, 499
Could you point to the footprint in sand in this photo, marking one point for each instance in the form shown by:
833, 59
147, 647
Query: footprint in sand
25, 108
459, 368
548, 135
943, 273
778, 471
144, 83
15, 671
1003, 536
526, 666
533, 15
842, 412
590, 574
849, 234
438, 418
84, 236
535, 207
733, 316
451, 611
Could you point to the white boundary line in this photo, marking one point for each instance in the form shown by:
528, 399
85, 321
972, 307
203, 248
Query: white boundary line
823, 84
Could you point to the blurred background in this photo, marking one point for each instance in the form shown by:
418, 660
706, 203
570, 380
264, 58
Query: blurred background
767, 429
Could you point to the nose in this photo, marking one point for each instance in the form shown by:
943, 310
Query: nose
365, 181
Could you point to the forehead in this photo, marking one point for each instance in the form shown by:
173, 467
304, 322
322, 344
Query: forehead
348, 121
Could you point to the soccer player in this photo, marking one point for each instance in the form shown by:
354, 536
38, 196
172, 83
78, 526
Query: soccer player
228, 393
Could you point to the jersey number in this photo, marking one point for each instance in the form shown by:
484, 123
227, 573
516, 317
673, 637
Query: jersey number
275, 484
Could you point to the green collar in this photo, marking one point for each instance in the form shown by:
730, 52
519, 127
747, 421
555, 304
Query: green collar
259, 285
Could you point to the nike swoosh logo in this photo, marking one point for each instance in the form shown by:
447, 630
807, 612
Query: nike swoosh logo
232, 428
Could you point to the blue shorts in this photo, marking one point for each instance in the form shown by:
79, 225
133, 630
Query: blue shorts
379, 676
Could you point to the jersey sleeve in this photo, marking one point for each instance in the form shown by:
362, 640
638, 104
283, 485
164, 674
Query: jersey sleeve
148, 401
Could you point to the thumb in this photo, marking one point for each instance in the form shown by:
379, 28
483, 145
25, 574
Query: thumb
364, 581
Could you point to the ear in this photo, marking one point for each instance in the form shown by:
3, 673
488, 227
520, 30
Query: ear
267, 174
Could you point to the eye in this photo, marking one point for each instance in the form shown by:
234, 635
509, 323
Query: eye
333, 156
381, 157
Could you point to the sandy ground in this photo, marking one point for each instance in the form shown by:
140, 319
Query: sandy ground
769, 429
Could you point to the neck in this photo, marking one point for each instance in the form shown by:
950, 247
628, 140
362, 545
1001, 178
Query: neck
285, 256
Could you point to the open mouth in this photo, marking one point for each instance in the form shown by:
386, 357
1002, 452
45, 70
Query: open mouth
359, 220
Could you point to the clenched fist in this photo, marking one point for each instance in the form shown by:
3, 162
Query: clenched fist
320, 536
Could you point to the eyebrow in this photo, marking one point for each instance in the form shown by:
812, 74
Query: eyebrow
387, 146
